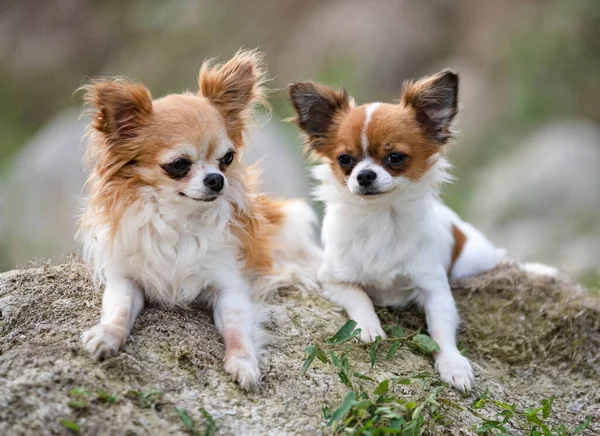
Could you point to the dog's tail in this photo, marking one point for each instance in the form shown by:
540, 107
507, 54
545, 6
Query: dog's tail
296, 254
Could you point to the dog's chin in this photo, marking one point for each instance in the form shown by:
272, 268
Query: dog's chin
371, 194
206, 199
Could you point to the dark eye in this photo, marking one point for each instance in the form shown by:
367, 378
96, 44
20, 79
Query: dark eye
228, 158
178, 169
395, 159
345, 160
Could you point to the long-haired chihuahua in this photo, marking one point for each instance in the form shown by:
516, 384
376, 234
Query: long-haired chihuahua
388, 238
173, 217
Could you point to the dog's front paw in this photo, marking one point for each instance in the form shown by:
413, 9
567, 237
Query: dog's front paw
456, 370
103, 340
370, 331
244, 370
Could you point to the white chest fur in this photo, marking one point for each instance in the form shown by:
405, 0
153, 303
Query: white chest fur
382, 244
173, 259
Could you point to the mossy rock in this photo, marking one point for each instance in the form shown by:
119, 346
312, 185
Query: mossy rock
529, 338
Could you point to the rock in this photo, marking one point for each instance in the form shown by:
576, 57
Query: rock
546, 328
541, 201
41, 197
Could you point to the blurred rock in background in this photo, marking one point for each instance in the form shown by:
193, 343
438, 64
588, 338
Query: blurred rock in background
542, 200
530, 100
42, 188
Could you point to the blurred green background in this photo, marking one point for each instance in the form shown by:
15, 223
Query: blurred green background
526, 160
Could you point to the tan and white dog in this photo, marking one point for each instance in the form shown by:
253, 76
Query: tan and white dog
389, 240
173, 217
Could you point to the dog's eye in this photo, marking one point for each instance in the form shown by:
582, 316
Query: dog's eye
178, 169
345, 160
395, 159
226, 160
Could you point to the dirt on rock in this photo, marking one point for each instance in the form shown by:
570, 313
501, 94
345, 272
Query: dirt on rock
529, 338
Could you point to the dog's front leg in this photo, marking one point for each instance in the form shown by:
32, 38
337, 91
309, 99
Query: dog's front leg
121, 303
234, 318
358, 306
442, 321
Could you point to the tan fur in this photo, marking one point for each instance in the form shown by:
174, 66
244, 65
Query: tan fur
460, 239
256, 228
234, 88
345, 140
129, 133
393, 128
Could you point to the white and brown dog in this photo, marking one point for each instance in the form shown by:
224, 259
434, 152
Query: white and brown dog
388, 238
172, 215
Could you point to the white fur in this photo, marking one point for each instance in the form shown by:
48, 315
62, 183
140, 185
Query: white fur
370, 108
396, 248
174, 250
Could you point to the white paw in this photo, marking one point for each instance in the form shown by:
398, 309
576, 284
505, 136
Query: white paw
244, 370
103, 340
370, 331
456, 370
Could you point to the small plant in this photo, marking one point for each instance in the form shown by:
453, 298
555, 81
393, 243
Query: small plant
532, 421
377, 411
147, 399
80, 398
69, 425
188, 423
105, 397
373, 412
416, 341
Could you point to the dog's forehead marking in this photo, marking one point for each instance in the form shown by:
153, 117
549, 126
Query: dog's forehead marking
369, 109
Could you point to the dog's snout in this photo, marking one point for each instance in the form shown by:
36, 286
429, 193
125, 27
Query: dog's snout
215, 182
366, 178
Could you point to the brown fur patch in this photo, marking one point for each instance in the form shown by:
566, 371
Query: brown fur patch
393, 129
434, 100
257, 227
460, 239
234, 88
346, 141
319, 110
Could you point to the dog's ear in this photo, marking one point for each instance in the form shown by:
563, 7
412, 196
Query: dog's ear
118, 108
316, 108
234, 88
435, 102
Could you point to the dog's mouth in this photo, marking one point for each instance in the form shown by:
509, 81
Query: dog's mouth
372, 193
204, 199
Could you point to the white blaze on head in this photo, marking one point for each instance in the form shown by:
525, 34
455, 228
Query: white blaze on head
363, 135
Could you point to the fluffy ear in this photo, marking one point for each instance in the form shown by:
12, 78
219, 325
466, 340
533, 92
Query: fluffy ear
435, 102
316, 107
235, 87
118, 108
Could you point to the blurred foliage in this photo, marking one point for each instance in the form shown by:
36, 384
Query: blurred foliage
552, 68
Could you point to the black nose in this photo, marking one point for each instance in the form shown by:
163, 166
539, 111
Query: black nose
366, 178
214, 182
